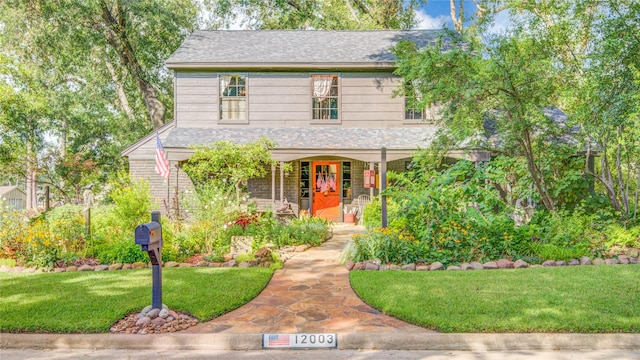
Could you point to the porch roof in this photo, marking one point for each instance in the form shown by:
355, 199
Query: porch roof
294, 143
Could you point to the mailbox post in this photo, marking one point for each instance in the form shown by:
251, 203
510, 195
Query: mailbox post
149, 237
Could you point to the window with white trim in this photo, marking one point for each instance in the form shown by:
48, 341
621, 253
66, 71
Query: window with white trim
324, 97
233, 97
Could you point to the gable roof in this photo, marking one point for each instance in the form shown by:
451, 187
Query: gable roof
271, 49
4, 190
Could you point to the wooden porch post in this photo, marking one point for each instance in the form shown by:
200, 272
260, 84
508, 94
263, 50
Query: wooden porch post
372, 166
273, 186
281, 183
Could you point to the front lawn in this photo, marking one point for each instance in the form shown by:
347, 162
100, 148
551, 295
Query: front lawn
88, 302
581, 299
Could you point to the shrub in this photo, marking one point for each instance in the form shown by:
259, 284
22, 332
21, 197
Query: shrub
67, 225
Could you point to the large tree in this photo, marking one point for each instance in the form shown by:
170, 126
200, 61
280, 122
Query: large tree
327, 14
98, 71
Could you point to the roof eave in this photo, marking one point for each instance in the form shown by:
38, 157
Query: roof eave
280, 66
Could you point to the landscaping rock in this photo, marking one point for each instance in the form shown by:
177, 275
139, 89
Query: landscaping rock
490, 265
384, 267
359, 266
574, 262
85, 267
371, 266
465, 266
244, 264
520, 264
185, 265
422, 267
409, 267
143, 321
215, 264
633, 260
164, 313
376, 261
436, 266
561, 263
153, 313
598, 261
115, 266
301, 248
101, 268
350, 265
202, 263
146, 310
633, 252
549, 263
230, 263
505, 264
453, 267
585, 260
476, 265
394, 267
158, 321
59, 270
624, 259
612, 262
171, 264
138, 265
127, 266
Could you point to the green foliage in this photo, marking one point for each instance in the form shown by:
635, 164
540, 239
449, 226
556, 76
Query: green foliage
67, 224
268, 230
331, 14
112, 226
225, 164
625, 237
462, 213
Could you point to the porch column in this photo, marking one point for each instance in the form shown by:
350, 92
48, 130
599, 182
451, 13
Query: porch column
281, 183
372, 166
273, 186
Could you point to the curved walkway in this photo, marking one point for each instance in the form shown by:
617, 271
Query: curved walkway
310, 294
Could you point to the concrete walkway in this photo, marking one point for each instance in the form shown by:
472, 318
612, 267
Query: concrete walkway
310, 294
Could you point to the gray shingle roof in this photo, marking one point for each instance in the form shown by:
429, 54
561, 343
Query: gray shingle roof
323, 138
218, 48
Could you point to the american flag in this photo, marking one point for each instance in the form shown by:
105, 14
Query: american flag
162, 164
278, 340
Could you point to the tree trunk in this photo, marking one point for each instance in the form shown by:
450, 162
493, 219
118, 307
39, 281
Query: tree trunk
536, 176
123, 101
116, 34
30, 185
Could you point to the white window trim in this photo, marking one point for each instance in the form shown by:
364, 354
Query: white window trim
337, 121
246, 99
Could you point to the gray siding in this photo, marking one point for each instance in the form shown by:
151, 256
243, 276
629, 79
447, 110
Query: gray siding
164, 191
284, 100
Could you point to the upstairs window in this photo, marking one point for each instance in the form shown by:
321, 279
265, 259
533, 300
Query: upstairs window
233, 97
413, 113
325, 97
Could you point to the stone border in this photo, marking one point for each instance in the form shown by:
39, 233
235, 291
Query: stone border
376, 265
285, 253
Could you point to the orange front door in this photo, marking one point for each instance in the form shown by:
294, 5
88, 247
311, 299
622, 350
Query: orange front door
326, 190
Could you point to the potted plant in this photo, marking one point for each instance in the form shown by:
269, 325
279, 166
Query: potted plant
349, 215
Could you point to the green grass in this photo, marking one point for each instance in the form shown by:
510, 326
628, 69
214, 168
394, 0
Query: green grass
90, 302
584, 299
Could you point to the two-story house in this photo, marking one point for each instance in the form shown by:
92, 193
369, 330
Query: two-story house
325, 97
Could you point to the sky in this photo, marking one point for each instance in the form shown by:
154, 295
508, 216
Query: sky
436, 13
